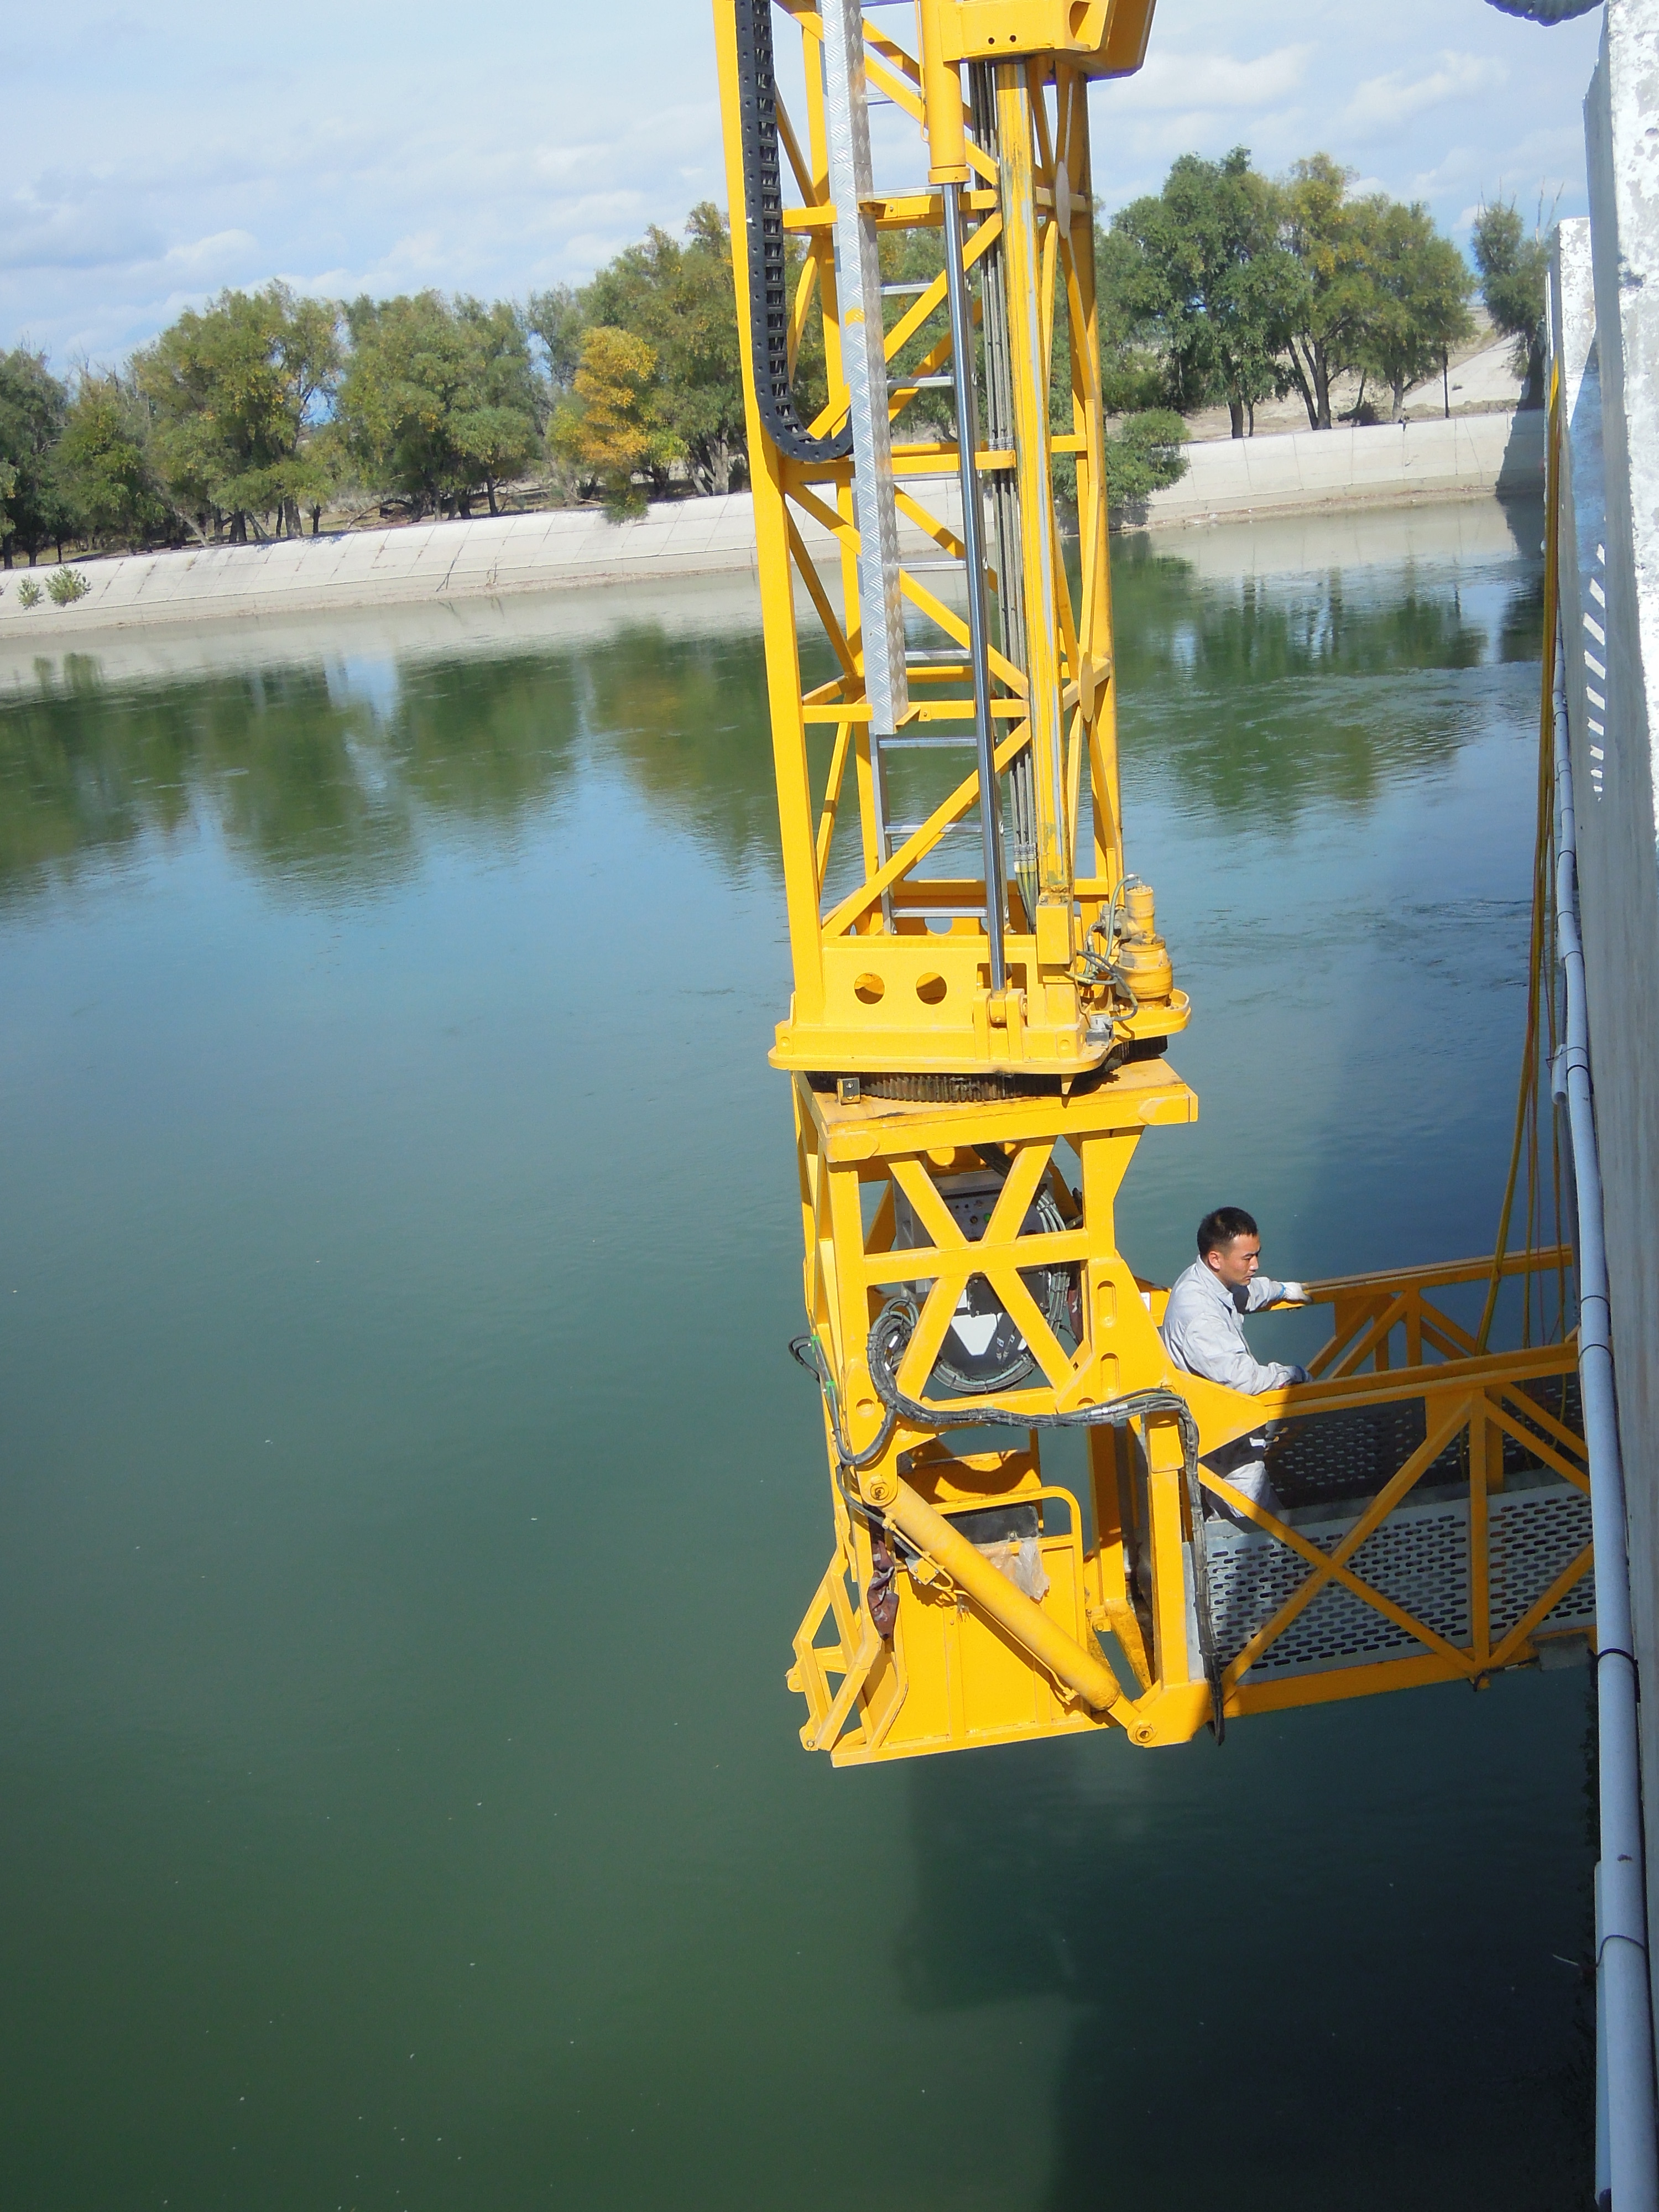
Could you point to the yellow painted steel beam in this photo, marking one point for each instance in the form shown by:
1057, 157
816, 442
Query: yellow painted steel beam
1432, 1274
915, 1080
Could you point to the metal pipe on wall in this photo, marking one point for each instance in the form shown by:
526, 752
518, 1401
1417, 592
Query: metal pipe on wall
1627, 2176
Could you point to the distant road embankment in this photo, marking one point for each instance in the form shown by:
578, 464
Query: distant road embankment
490, 557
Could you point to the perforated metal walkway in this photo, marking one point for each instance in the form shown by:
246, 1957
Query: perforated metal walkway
1325, 1469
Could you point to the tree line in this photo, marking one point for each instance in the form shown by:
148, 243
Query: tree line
247, 416
1228, 288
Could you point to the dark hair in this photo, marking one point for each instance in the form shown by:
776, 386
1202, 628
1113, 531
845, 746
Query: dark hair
1218, 1229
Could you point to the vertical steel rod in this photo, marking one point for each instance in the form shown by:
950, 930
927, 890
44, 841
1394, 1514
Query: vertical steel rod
973, 547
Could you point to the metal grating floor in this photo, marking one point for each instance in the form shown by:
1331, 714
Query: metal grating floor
1325, 1468
1326, 1456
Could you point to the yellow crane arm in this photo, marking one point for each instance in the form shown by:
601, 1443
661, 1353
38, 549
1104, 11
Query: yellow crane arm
983, 999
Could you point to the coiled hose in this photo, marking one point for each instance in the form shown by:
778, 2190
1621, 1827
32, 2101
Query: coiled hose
769, 265
889, 1337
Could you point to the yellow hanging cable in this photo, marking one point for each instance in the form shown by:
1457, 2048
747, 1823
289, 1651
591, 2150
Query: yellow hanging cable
1555, 1156
1534, 1072
1540, 848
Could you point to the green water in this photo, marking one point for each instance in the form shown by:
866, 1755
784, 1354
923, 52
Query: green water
406, 1502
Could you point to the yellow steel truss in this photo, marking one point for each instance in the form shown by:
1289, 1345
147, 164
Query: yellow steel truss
942, 1622
921, 999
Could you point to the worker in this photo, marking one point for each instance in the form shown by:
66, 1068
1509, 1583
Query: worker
1204, 1334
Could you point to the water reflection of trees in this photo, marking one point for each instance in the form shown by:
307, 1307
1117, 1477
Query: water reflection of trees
308, 783
686, 718
1241, 697
324, 784
1253, 697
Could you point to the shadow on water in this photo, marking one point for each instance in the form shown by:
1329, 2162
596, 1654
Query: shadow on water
1294, 1977
324, 775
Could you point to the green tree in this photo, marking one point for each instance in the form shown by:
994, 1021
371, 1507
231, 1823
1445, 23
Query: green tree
1335, 297
104, 466
680, 299
1421, 284
1514, 273
611, 429
1205, 271
438, 401
1132, 375
498, 429
234, 391
1143, 455
556, 317
913, 257
33, 404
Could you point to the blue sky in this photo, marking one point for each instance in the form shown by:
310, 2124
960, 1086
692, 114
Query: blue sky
158, 152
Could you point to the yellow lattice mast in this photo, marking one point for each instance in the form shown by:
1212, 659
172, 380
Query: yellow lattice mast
981, 1001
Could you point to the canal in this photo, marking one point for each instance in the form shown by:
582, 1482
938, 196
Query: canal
406, 1500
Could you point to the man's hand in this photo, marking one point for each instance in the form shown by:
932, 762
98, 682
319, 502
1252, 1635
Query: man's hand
1299, 1374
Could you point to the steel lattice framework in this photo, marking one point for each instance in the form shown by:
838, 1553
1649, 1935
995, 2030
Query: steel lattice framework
982, 1002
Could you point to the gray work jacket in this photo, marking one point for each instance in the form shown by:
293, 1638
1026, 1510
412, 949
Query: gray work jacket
1204, 1334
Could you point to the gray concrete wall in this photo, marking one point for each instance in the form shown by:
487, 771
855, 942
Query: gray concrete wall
1390, 463
1465, 531
1605, 318
437, 562
443, 563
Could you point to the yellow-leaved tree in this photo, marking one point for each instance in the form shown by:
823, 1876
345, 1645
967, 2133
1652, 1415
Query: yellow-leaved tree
611, 431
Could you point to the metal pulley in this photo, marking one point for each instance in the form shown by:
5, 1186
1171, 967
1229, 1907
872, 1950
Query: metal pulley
984, 1349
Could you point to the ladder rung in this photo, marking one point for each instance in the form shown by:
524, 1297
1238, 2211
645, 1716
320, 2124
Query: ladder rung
904, 830
903, 738
940, 913
921, 384
906, 291
918, 567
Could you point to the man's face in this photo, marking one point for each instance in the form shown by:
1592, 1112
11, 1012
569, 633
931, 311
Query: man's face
1237, 1262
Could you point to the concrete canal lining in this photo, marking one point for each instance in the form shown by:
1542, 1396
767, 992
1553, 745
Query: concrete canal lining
32, 663
1343, 470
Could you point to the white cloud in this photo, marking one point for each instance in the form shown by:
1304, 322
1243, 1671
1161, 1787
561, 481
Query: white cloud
1202, 81
205, 258
1383, 103
155, 156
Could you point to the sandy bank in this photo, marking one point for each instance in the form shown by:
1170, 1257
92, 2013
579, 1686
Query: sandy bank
445, 562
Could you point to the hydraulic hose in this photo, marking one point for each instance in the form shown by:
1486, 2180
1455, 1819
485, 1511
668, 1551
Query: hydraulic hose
768, 259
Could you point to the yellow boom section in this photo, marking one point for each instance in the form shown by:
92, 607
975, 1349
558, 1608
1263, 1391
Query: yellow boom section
983, 999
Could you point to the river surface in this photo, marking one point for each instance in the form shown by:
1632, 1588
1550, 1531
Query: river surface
406, 1501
